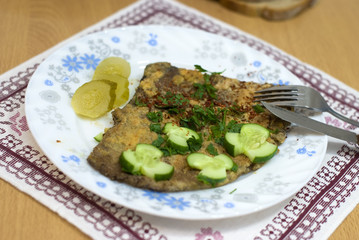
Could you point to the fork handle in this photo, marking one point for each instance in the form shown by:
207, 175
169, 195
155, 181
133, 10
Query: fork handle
345, 119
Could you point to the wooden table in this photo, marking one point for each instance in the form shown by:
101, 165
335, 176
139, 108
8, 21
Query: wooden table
326, 37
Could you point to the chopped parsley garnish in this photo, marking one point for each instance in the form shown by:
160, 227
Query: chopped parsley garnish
174, 103
219, 130
201, 89
194, 144
156, 127
233, 191
139, 103
233, 126
195, 117
155, 117
212, 150
159, 141
199, 117
201, 69
206, 87
258, 108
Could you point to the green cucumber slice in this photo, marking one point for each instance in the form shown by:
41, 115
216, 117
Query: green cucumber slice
129, 162
199, 160
98, 137
252, 141
254, 135
158, 171
212, 176
145, 160
261, 154
170, 127
147, 152
226, 161
178, 136
177, 142
233, 144
213, 169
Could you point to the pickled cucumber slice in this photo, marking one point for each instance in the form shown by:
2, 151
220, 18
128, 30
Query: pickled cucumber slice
94, 99
113, 66
117, 70
122, 91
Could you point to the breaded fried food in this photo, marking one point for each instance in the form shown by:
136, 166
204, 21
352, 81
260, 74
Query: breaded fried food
180, 94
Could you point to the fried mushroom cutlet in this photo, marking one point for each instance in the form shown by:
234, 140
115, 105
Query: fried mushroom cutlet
209, 104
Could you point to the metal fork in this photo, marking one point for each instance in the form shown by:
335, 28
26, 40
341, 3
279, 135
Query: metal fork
299, 96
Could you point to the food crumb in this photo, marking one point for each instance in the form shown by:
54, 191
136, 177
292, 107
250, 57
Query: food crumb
58, 141
233, 191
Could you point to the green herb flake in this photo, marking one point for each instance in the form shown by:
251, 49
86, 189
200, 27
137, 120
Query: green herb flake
235, 127
212, 150
173, 103
158, 142
207, 87
156, 127
275, 131
199, 68
258, 108
155, 117
235, 167
233, 191
139, 103
194, 144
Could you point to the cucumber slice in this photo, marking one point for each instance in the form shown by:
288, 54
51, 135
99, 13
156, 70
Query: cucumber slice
145, 160
98, 137
261, 154
113, 66
177, 142
233, 144
254, 135
158, 170
146, 153
130, 163
252, 141
178, 136
212, 175
225, 161
213, 169
94, 99
170, 127
199, 160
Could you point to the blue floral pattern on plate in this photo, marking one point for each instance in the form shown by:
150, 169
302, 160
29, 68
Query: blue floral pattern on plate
67, 139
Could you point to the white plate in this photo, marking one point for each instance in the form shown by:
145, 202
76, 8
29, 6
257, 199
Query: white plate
67, 139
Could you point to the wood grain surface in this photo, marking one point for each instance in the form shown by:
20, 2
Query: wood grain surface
324, 36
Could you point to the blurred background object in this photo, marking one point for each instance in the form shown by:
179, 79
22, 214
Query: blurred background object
269, 9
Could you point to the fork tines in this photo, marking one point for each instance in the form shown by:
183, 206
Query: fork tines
279, 95
292, 88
